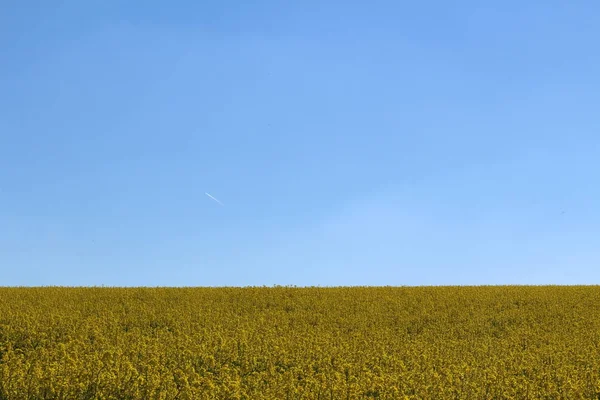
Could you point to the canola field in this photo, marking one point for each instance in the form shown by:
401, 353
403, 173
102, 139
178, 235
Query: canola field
488, 342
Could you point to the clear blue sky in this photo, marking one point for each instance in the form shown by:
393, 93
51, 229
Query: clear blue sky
352, 143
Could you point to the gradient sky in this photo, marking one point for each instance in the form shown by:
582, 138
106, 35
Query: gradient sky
352, 143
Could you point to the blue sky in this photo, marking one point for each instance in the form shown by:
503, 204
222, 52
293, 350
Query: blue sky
352, 143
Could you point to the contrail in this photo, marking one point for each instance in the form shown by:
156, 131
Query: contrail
214, 199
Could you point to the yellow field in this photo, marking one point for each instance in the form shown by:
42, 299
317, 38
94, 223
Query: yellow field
300, 343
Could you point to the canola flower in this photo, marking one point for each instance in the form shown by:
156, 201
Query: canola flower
488, 342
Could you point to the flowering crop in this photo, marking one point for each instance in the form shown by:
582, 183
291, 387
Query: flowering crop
502, 342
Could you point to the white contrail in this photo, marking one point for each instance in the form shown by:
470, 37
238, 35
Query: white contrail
214, 199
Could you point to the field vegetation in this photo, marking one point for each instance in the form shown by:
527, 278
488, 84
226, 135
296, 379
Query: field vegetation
497, 342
